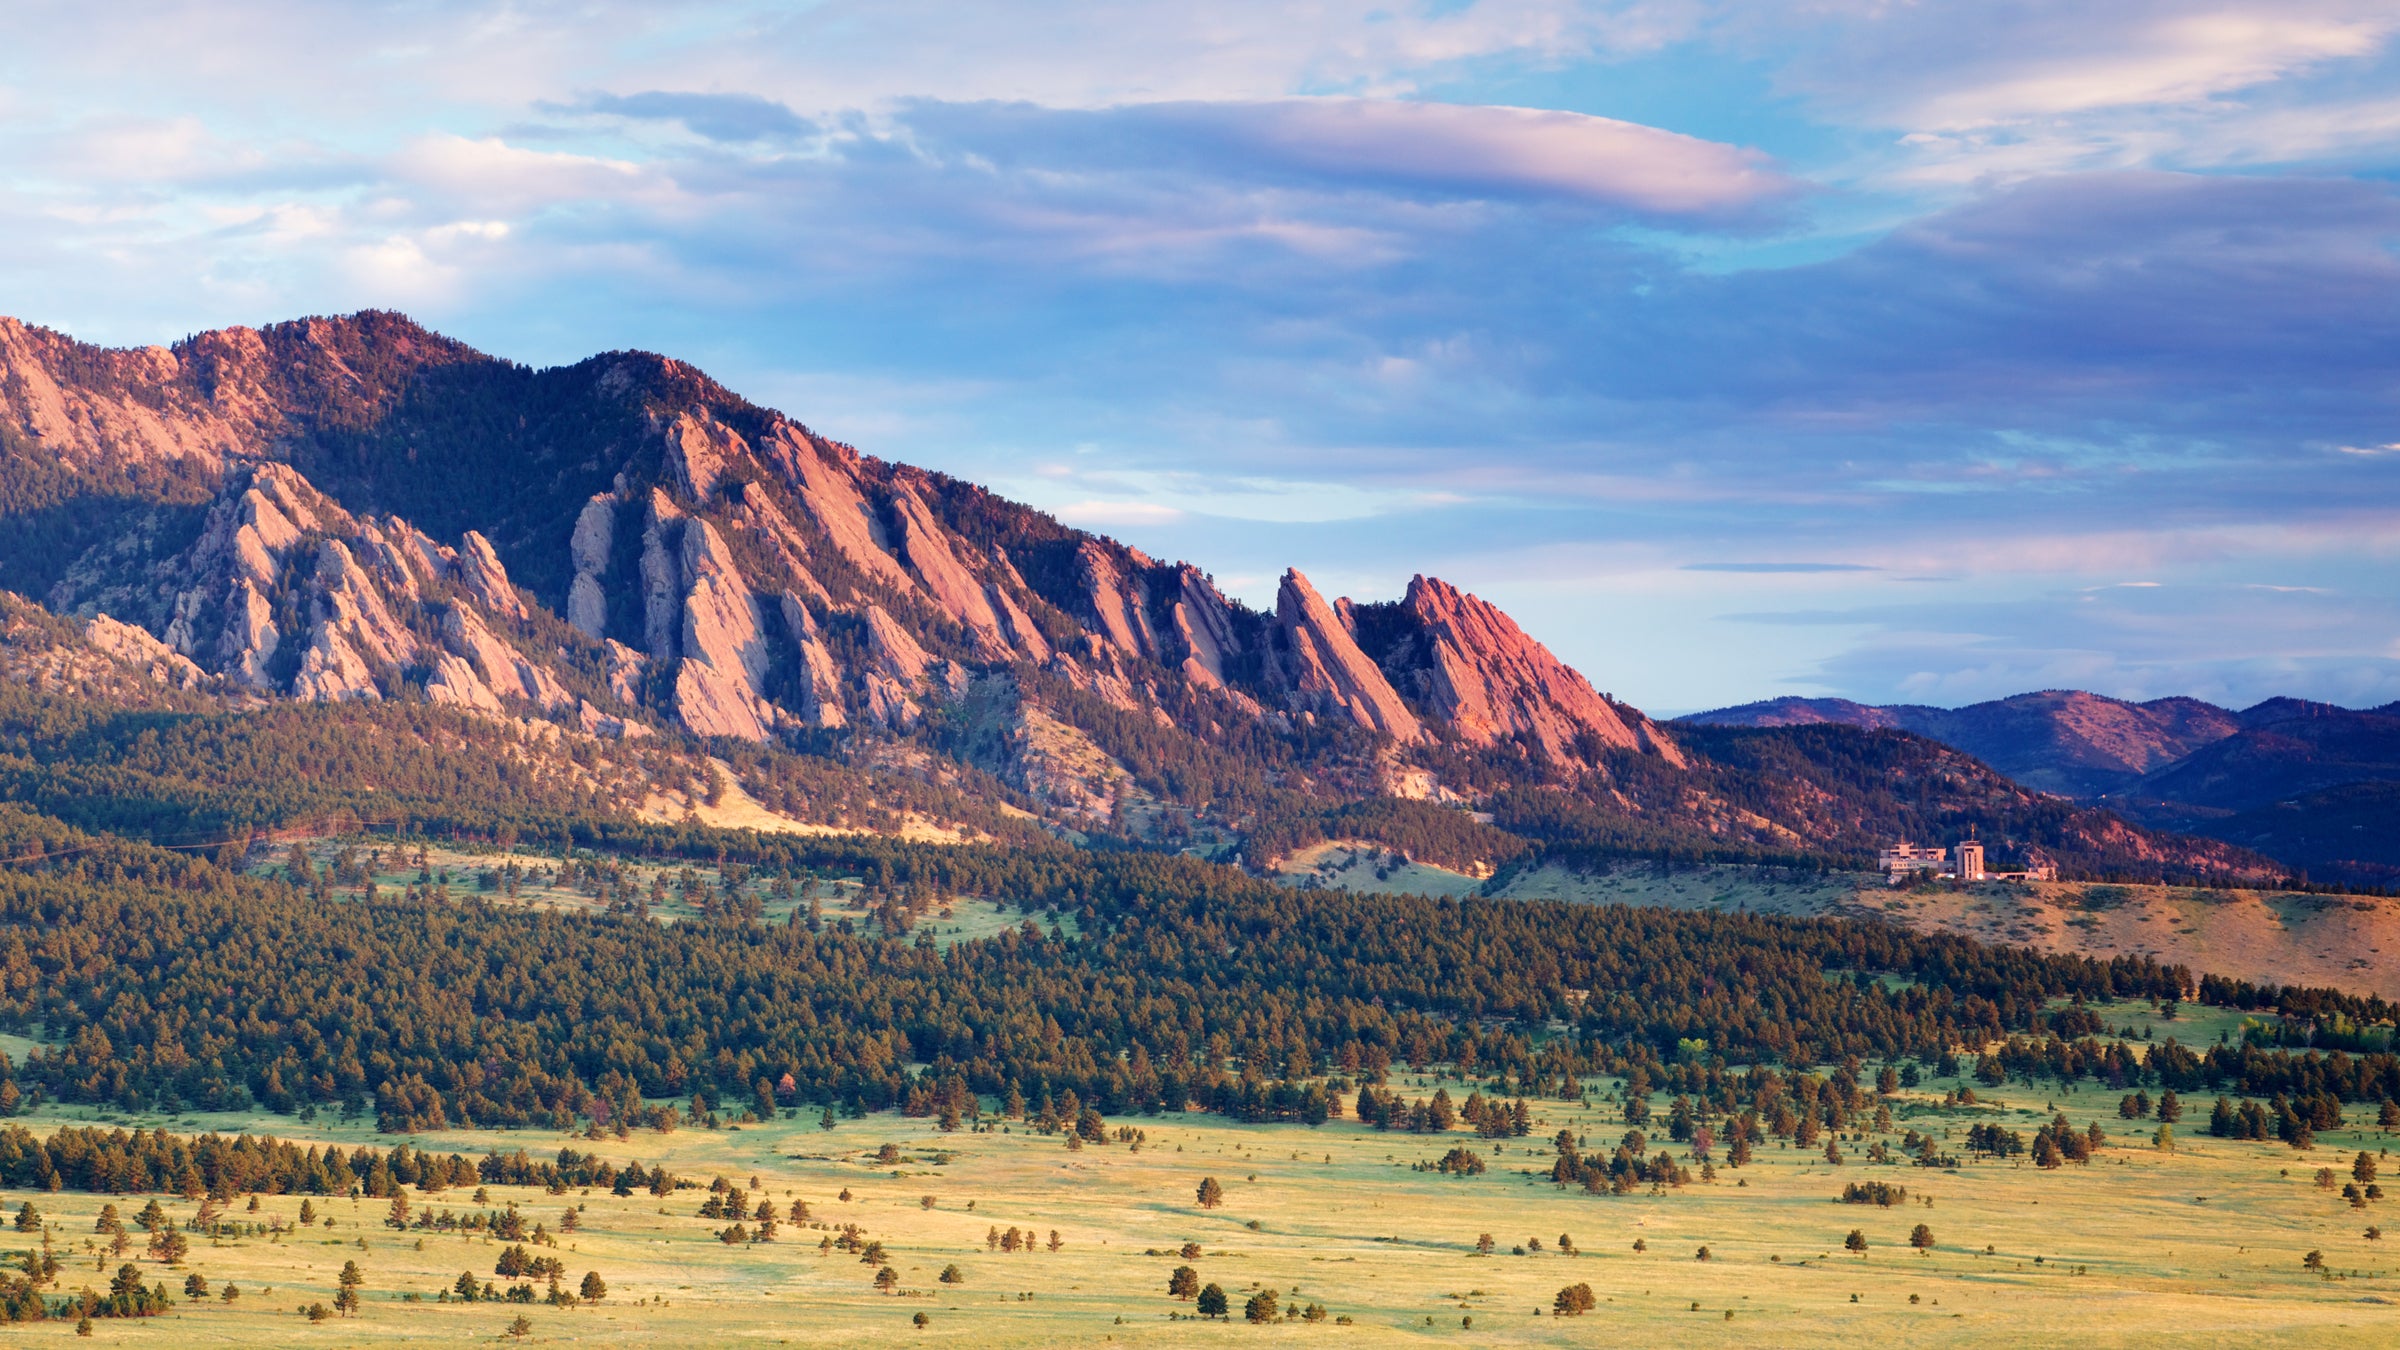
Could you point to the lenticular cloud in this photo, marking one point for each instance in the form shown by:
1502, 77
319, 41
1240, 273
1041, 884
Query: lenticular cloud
1483, 150
1426, 149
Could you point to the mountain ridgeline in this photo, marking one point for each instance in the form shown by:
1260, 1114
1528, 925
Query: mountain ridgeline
2312, 785
354, 511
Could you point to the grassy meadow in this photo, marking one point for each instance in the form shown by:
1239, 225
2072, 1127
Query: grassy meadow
2203, 1245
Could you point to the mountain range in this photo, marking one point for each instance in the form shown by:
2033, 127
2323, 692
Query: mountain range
2314, 785
646, 574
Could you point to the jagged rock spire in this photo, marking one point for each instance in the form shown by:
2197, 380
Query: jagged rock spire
1325, 673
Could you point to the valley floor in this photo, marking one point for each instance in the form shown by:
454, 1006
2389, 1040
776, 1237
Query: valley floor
2202, 1245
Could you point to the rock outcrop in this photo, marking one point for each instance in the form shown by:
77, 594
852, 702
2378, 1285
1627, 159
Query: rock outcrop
591, 549
952, 588
135, 647
897, 669
1119, 602
1321, 671
1471, 666
386, 559
719, 687
273, 543
833, 500
494, 667
1024, 635
118, 417
480, 574
1203, 625
699, 450
453, 681
627, 669
237, 563
819, 681
354, 634
756, 514
662, 576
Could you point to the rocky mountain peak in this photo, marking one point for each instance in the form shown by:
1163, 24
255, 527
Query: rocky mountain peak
376, 510
1475, 668
1318, 664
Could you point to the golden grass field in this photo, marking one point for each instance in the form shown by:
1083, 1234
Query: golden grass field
2201, 1246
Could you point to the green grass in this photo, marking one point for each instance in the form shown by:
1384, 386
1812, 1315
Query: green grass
16, 1046
2201, 1246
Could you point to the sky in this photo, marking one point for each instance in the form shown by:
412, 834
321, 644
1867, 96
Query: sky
1925, 352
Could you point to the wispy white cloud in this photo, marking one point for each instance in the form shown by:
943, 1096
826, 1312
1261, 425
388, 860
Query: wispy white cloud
2127, 55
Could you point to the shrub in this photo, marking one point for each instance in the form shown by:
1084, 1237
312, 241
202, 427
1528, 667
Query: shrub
1874, 1193
1460, 1162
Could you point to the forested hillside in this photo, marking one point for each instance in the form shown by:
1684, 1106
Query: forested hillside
1184, 974
1190, 984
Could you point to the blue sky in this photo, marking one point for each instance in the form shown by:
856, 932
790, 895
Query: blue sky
1926, 352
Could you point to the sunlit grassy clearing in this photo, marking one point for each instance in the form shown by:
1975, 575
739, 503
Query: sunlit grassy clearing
2204, 1244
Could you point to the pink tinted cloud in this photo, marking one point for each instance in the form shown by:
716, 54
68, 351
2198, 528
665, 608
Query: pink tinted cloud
1482, 149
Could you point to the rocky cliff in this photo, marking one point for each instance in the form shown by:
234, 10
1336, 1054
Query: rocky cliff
1474, 668
345, 510
730, 570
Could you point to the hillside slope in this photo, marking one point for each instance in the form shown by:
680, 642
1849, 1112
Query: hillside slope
355, 511
2301, 782
2063, 741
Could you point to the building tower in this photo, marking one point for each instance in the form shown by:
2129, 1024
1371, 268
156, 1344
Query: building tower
1970, 861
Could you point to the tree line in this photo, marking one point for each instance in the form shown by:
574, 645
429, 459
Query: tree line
121, 1162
